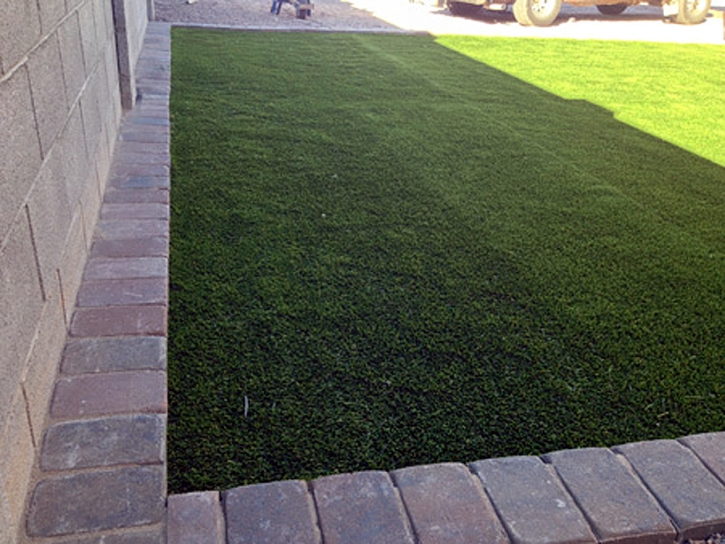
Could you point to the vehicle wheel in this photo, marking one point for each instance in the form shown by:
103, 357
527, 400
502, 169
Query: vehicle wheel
461, 9
536, 12
691, 12
612, 9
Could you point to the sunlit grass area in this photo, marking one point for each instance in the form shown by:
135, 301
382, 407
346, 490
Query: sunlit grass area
392, 250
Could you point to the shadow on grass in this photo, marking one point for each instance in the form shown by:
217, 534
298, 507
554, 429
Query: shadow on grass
385, 253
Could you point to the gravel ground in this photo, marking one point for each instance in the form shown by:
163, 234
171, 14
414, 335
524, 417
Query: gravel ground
638, 23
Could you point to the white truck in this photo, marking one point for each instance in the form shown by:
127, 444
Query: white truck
544, 12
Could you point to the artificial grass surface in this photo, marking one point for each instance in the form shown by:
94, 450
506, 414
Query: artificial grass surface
386, 253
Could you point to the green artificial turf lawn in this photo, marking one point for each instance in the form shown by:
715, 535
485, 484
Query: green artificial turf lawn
392, 250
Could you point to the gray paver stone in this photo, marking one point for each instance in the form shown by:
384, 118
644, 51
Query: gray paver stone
691, 494
195, 518
531, 501
154, 246
710, 448
97, 501
132, 439
360, 508
446, 504
127, 229
617, 506
135, 210
277, 512
91, 355
128, 536
108, 394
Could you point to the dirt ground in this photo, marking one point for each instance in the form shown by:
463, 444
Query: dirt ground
640, 23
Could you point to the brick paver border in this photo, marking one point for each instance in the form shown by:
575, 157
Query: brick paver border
102, 474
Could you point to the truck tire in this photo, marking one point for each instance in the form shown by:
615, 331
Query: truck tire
461, 9
536, 12
612, 9
691, 12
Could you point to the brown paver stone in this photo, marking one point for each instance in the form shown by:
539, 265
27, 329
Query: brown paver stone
120, 440
108, 394
617, 506
531, 501
97, 501
710, 448
691, 494
446, 504
277, 512
195, 518
122, 292
119, 321
360, 508
126, 268
154, 246
92, 355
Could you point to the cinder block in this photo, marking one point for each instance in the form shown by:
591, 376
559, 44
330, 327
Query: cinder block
195, 518
618, 507
110, 71
19, 31
97, 501
90, 203
91, 443
92, 355
360, 508
109, 394
71, 52
49, 98
693, 497
8, 526
44, 359
21, 300
20, 158
71, 4
710, 448
71, 265
51, 11
16, 462
446, 504
91, 106
276, 512
531, 501
104, 30
91, 49
51, 215
70, 159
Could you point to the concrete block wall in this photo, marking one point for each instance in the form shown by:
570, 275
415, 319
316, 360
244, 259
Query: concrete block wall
60, 109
